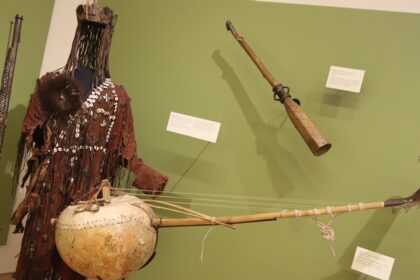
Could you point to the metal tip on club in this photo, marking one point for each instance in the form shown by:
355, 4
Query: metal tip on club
228, 25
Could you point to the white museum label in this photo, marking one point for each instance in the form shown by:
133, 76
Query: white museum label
372, 263
194, 127
347, 79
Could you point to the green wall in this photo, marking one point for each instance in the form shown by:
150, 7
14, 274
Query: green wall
178, 56
34, 32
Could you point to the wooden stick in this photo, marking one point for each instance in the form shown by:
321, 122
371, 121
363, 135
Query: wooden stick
268, 216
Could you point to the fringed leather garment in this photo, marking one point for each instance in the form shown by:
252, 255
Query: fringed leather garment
75, 137
70, 157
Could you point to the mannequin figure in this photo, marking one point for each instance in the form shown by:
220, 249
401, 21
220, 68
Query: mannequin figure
78, 131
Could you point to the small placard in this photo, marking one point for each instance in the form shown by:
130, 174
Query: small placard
347, 79
194, 127
372, 263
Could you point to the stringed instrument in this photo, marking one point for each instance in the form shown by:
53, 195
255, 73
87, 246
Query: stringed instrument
116, 235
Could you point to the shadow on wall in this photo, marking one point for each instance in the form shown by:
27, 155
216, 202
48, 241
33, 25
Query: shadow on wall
370, 237
7, 163
265, 135
339, 105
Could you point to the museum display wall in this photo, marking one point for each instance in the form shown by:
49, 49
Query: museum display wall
178, 57
36, 19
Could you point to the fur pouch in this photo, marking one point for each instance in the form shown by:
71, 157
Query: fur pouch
59, 95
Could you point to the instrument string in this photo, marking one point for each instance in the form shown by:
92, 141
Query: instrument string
233, 201
235, 196
263, 204
273, 204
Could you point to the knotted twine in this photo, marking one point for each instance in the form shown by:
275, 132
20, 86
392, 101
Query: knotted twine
327, 232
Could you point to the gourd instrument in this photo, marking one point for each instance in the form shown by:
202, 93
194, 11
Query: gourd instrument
122, 229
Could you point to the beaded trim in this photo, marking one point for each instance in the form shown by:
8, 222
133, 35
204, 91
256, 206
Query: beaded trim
122, 220
94, 96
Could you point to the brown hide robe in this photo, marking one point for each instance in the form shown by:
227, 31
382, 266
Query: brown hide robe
79, 151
